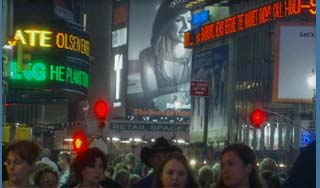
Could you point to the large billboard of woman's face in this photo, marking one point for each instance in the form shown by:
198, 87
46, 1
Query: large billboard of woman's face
159, 67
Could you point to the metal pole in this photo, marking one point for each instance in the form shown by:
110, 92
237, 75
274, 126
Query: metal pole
294, 122
205, 129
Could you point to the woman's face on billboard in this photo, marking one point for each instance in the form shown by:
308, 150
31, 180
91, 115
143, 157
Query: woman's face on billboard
179, 25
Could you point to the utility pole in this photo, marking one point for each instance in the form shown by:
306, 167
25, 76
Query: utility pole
205, 129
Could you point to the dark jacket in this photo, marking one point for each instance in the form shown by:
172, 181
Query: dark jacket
145, 182
109, 183
303, 172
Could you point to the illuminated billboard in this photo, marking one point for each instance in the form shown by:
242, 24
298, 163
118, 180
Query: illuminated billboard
159, 67
119, 51
53, 56
295, 62
211, 66
52, 40
250, 19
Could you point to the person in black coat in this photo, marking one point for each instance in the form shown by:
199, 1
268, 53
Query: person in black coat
303, 172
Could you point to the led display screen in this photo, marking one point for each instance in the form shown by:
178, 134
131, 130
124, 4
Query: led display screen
53, 56
252, 18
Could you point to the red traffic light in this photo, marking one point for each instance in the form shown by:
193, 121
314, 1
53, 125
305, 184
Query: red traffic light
258, 118
102, 109
80, 142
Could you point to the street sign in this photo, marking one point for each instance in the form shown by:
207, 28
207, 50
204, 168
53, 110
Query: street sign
200, 88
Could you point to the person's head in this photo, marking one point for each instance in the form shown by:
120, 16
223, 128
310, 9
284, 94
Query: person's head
270, 179
134, 178
122, 177
154, 155
120, 166
45, 152
238, 167
45, 176
205, 176
175, 171
172, 19
64, 160
268, 164
20, 159
130, 160
89, 166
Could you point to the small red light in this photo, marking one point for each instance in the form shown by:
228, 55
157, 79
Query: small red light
258, 118
80, 141
102, 109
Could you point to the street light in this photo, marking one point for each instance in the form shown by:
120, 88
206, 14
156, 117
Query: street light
266, 112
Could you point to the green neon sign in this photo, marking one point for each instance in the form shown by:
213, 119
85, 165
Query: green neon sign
41, 72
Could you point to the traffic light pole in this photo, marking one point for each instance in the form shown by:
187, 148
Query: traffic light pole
287, 118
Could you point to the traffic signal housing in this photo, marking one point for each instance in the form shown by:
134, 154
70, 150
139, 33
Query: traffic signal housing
258, 118
102, 110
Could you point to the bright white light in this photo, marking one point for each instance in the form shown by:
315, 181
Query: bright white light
115, 139
312, 81
204, 162
181, 141
7, 47
177, 104
118, 59
258, 164
67, 152
193, 162
125, 141
268, 124
68, 140
137, 139
153, 140
282, 165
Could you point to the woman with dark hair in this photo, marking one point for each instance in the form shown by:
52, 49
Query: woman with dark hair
20, 158
88, 168
175, 172
166, 64
239, 167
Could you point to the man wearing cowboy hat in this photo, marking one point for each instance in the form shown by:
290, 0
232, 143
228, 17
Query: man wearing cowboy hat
153, 156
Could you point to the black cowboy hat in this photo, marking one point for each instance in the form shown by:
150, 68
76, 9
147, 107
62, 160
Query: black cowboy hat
160, 145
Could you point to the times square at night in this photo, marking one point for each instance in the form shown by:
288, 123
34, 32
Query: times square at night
201, 73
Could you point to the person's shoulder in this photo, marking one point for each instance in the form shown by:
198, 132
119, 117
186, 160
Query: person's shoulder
146, 54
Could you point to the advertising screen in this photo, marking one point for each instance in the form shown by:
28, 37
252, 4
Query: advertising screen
159, 67
295, 62
50, 57
211, 66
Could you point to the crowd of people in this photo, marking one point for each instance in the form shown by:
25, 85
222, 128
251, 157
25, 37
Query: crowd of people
28, 165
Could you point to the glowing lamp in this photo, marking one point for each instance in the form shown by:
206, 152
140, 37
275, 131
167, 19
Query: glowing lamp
80, 142
258, 118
